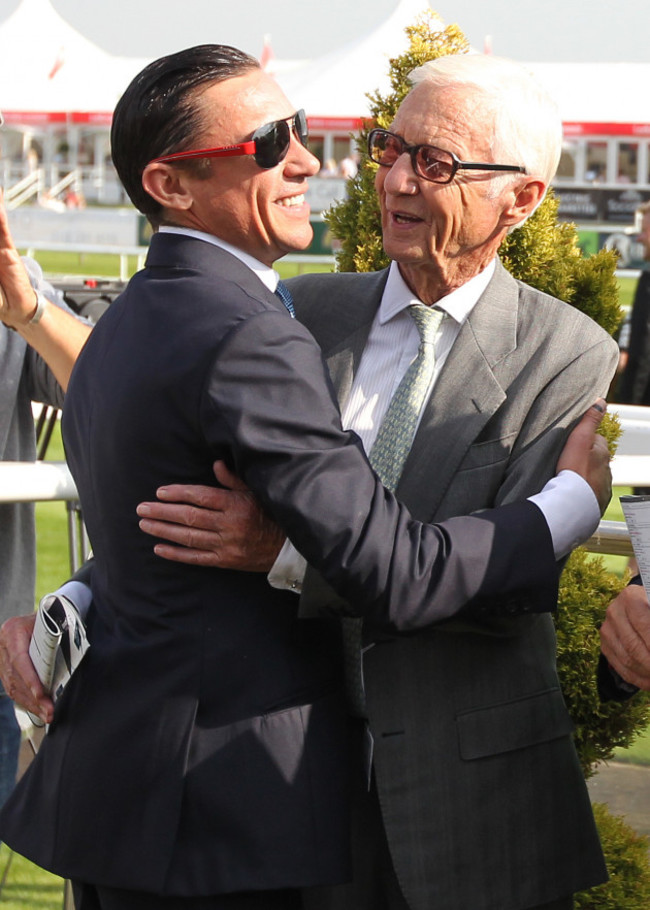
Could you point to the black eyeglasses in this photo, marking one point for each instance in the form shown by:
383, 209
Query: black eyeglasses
268, 145
428, 162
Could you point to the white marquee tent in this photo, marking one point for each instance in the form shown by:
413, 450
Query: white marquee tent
60, 88
332, 89
50, 72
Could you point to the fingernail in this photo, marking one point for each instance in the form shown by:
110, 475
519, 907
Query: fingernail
599, 407
143, 510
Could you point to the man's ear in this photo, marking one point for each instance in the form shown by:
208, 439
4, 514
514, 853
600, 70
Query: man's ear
167, 186
525, 199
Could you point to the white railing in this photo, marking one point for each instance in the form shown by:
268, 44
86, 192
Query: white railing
47, 481
25, 189
41, 481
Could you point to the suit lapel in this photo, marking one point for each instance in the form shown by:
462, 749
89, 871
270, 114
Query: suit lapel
343, 339
465, 397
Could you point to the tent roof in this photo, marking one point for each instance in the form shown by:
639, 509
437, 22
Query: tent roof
49, 71
334, 87
605, 94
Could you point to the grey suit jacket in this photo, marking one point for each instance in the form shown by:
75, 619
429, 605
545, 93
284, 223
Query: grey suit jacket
483, 800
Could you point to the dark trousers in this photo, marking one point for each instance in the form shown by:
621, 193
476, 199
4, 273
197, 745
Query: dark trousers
90, 897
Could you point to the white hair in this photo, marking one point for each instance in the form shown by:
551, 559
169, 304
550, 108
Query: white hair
526, 123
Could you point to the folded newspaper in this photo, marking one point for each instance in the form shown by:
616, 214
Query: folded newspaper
58, 644
636, 510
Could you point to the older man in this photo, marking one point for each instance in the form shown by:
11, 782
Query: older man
477, 799
196, 759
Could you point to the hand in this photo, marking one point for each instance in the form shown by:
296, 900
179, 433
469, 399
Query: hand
587, 453
17, 296
625, 636
211, 526
17, 671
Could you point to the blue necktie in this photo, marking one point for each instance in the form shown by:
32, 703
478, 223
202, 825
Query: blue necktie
283, 292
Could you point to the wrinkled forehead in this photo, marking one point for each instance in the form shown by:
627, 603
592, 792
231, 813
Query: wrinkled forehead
454, 116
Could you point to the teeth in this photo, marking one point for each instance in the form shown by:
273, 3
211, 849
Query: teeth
292, 200
399, 217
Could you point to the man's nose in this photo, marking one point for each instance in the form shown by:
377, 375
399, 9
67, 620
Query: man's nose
300, 157
400, 177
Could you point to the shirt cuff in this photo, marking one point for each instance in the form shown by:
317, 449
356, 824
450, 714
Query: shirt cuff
79, 594
571, 510
288, 570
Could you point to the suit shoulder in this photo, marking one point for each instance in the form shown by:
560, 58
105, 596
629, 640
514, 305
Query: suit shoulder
339, 301
544, 310
315, 286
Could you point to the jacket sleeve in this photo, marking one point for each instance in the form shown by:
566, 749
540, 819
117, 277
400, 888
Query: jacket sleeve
269, 402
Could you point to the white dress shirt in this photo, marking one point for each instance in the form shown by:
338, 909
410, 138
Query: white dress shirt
391, 347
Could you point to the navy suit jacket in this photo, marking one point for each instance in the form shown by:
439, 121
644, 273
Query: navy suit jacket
199, 747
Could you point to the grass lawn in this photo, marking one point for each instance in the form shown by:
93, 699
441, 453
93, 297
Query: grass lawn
26, 886
100, 265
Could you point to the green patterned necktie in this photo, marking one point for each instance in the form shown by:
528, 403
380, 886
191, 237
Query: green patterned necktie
387, 456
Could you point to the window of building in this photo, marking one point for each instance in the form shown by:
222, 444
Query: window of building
596, 162
627, 159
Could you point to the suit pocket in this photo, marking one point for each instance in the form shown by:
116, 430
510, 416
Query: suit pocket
489, 452
513, 725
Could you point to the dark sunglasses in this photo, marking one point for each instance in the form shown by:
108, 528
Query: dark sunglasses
428, 162
268, 145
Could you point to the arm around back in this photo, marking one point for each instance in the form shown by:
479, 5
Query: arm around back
268, 402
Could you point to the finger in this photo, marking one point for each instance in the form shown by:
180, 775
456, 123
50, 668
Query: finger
193, 494
591, 420
622, 637
187, 516
638, 614
180, 534
25, 688
226, 477
187, 556
6, 240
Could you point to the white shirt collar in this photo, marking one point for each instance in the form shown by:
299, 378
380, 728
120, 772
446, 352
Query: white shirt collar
268, 276
459, 304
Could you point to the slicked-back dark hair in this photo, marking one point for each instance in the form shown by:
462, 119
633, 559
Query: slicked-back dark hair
157, 114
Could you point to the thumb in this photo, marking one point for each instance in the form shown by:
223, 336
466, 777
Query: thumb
593, 418
226, 477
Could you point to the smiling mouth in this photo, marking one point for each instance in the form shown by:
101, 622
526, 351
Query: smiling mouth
402, 218
291, 201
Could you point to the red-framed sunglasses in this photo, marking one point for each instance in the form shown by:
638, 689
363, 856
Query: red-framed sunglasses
268, 145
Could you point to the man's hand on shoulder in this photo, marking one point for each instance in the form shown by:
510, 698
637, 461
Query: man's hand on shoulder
223, 527
587, 454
